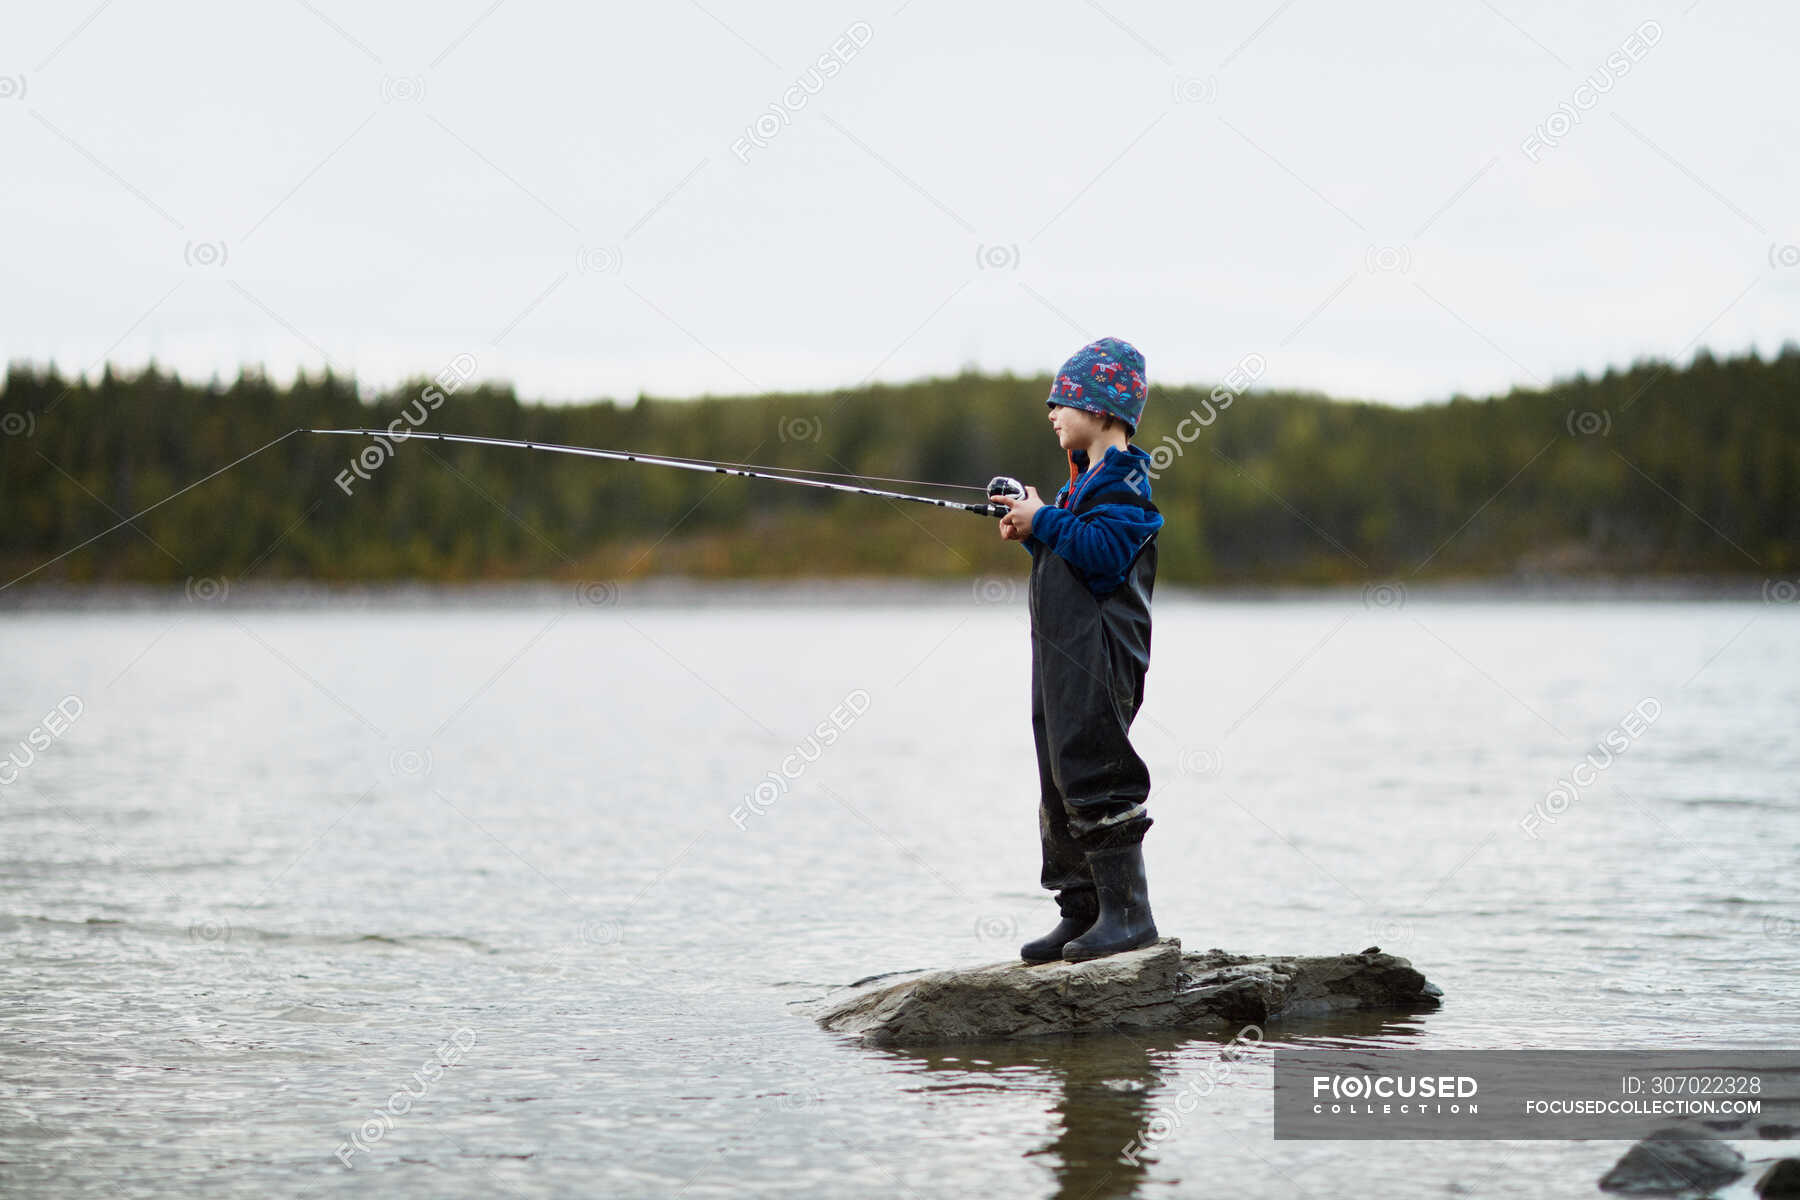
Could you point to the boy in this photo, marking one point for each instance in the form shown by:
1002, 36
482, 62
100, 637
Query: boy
1093, 567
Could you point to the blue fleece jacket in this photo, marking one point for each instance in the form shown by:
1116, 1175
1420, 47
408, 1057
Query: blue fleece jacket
1102, 542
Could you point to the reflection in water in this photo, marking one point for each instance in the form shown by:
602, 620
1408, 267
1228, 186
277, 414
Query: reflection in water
1105, 1106
1101, 1091
1113, 1098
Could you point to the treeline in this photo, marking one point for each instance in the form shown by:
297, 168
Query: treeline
1652, 469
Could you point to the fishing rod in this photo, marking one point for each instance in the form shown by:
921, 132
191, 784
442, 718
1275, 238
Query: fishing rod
1001, 485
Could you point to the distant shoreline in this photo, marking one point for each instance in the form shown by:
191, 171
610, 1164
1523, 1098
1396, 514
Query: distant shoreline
871, 591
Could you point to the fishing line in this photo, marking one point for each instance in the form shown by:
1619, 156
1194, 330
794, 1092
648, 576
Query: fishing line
128, 520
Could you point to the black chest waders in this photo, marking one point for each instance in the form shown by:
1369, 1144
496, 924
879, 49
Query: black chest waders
1089, 655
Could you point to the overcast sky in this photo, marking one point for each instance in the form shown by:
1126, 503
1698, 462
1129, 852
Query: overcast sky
580, 195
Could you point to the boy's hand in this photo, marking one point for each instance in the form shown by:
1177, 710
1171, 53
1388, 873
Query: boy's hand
1015, 526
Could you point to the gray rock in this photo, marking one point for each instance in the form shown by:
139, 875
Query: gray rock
1158, 987
1781, 1179
1674, 1160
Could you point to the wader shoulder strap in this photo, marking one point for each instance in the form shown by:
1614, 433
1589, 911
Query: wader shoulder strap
1124, 495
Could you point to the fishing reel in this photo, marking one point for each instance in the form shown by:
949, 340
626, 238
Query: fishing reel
1004, 485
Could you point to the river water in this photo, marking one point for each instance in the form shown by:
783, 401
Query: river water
274, 865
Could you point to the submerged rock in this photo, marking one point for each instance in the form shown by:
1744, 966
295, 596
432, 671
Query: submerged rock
1781, 1179
1674, 1160
1158, 987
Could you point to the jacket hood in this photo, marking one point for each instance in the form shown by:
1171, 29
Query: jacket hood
1116, 467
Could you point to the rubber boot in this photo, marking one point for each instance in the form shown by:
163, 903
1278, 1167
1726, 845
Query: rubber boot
1079, 909
1125, 922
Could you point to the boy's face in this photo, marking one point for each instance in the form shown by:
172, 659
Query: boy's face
1076, 428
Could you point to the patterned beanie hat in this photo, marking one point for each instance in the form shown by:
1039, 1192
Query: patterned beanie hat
1104, 377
